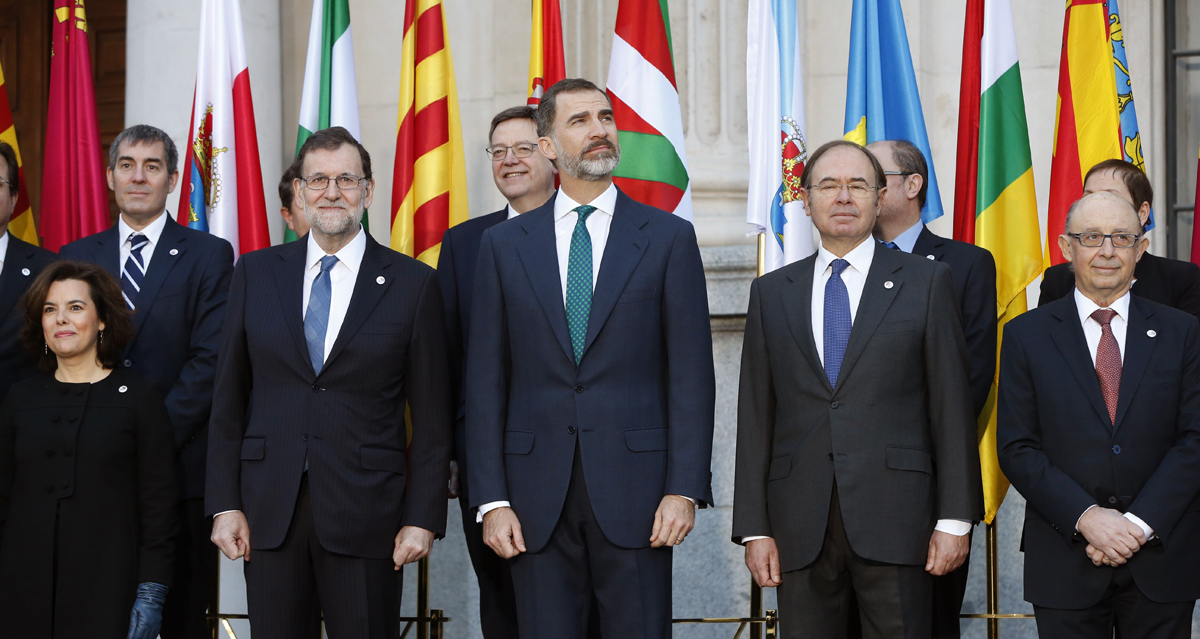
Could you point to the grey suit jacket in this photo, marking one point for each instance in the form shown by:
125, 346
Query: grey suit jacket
896, 435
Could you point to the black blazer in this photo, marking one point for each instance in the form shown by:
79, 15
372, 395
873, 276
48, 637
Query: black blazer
21, 264
1174, 283
1062, 452
640, 404
177, 328
897, 434
974, 275
271, 413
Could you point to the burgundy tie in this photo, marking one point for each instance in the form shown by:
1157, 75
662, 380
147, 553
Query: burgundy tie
1108, 361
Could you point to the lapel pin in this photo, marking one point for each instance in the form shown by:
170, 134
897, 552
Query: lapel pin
888, 284
25, 272
122, 389
930, 257
1151, 333
174, 251
379, 280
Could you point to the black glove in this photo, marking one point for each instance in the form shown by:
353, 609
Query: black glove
145, 620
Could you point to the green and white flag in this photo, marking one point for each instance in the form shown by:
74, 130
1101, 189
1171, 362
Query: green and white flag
330, 93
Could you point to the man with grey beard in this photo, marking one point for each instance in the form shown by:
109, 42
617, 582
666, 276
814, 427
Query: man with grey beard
590, 411
324, 340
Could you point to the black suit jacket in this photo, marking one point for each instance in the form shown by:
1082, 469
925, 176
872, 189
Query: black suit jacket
271, 412
177, 328
974, 274
21, 264
896, 435
1062, 452
1174, 283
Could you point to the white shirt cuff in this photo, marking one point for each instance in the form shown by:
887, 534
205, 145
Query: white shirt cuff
1141, 524
225, 512
488, 507
695, 502
956, 527
746, 540
1081, 516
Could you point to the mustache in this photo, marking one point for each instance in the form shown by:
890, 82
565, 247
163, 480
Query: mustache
600, 144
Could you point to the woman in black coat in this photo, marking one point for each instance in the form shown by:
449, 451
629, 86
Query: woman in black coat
87, 476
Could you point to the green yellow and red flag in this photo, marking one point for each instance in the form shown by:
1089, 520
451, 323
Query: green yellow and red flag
21, 225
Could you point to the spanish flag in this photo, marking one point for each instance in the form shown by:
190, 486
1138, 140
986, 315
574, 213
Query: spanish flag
21, 225
429, 184
546, 65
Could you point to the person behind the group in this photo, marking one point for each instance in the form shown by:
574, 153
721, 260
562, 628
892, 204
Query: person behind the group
525, 177
1099, 430
87, 472
291, 208
176, 280
853, 382
312, 475
590, 357
1175, 283
20, 262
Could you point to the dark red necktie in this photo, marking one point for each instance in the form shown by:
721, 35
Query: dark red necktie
1108, 361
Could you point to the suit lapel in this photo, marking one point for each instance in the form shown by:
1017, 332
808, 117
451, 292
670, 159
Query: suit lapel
539, 255
622, 253
1068, 337
876, 298
170, 250
929, 244
107, 245
374, 279
17, 275
797, 307
289, 285
1139, 347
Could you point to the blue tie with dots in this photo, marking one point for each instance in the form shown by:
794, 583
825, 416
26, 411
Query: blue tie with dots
579, 281
316, 319
837, 321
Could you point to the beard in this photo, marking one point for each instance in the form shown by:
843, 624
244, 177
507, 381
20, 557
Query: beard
337, 223
590, 169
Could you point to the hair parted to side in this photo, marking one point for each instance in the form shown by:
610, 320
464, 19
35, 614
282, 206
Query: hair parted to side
106, 298
332, 139
523, 112
144, 134
910, 159
10, 159
1135, 180
287, 194
548, 105
810, 166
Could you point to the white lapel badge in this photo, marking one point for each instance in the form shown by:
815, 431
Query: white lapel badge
174, 251
122, 389
930, 257
888, 284
25, 272
379, 280
1151, 333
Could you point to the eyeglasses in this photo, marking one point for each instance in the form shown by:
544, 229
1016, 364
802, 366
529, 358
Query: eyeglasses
1094, 240
6, 182
903, 173
321, 182
857, 191
523, 150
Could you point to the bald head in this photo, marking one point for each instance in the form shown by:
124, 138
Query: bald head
1103, 241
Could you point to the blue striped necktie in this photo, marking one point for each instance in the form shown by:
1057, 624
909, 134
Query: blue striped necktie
316, 318
579, 282
837, 321
134, 270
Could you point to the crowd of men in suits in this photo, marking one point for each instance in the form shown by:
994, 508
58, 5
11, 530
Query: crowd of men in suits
555, 375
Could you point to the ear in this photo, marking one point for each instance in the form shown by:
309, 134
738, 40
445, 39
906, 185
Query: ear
1140, 248
804, 199
173, 180
1064, 245
368, 193
913, 186
112, 186
1144, 213
547, 147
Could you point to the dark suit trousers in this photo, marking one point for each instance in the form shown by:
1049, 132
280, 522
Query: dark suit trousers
186, 609
497, 602
1123, 607
555, 586
894, 601
360, 597
948, 593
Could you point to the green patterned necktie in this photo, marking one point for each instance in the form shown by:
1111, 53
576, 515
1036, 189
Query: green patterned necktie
579, 281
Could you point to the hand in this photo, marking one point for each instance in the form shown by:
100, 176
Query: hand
145, 619
452, 487
674, 519
946, 552
1097, 556
762, 558
1113, 535
502, 532
231, 533
412, 544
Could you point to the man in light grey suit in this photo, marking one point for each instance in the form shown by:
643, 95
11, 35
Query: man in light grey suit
857, 465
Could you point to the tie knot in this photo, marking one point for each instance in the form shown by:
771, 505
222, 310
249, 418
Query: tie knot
839, 265
137, 241
1104, 316
892, 245
327, 263
584, 211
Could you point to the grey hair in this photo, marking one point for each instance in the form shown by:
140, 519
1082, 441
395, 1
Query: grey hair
145, 134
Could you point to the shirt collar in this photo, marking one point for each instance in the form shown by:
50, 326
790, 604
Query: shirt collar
4, 247
605, 202
907, 240
351, 254
860, 257
511, 212
152, 232
1086, 306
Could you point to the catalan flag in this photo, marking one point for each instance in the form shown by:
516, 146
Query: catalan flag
21, 225
74, 189
1096, 117
546, 65
429, 183
994, 202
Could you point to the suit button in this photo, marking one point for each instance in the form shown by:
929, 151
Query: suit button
570, 430
304, 437
1117, 449
127, 363
830, 456
317, 389
834, 405
579, 389
1112, 500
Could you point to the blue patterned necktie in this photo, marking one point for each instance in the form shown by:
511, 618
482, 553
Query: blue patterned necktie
134, 270
891, 245
837, 321
579, 281
316, 319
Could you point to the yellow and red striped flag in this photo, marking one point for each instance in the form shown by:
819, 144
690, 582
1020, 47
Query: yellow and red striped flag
429, 183
21, 225
546, 62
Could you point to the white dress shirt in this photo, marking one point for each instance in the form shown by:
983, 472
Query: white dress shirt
153, 232
511, 212
3, 250
341, 280
1091, 332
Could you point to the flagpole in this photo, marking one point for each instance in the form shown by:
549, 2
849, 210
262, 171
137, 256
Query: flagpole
993, 582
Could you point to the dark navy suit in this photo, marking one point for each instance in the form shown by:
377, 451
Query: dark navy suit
22, 263
608, 438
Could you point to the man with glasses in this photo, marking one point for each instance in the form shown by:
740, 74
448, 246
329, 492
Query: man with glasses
857, 464
525, 177
1099, 430
312, 475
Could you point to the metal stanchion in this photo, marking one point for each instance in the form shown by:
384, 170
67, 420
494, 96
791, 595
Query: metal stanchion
993, 615
755, 594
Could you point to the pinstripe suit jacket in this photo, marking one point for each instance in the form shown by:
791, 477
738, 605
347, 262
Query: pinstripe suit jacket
271, 412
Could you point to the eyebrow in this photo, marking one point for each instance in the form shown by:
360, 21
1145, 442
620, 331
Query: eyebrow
833, 179
127, 158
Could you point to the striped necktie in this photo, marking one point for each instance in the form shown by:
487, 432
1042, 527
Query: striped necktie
134, 270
